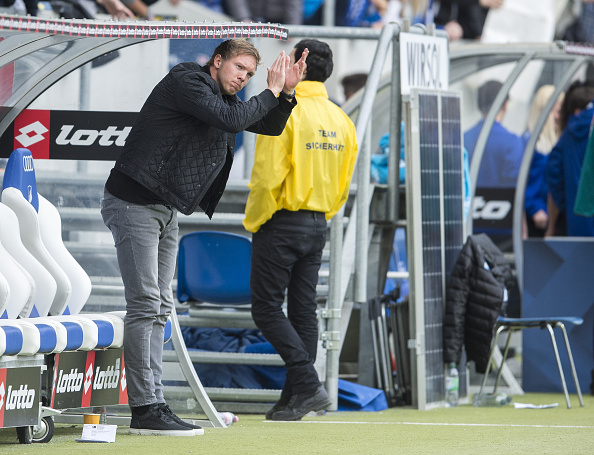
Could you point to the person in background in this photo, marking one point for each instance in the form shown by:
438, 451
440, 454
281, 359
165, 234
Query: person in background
535, 202
299, 180
503, 151
464, 19
351, 83
565, 161
283, 11
177, 158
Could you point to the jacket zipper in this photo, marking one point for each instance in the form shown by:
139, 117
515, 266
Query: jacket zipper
167, 155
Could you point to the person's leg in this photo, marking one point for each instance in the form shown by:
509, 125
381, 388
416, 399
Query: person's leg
136, 230
275, 248
301, 295
168, 245
302, 306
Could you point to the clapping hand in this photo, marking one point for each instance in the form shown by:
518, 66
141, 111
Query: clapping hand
295, 73
277, 73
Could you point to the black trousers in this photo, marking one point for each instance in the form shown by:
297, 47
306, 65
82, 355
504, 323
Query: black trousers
286, 256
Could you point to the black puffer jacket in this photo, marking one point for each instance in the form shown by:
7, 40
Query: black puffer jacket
474, 298
182, 143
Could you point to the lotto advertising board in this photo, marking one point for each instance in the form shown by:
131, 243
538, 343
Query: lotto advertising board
89, 378
68, 135
19, 396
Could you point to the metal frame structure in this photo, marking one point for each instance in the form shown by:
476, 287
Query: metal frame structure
469, 59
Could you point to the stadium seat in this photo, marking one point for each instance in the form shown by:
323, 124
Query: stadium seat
214, 267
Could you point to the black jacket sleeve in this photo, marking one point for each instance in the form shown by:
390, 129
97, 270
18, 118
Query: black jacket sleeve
457, 292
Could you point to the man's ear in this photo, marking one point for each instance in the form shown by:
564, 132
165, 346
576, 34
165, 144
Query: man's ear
217, 61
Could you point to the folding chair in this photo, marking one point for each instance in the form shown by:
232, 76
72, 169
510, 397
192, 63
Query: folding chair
512, 325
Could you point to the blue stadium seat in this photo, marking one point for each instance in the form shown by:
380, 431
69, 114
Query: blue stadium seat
214, 267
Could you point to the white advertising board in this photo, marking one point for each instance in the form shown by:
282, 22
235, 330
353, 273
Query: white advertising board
424, 62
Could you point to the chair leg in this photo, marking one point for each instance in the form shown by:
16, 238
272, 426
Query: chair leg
571, 363
505, 351
552, 334
493, 347
190, 373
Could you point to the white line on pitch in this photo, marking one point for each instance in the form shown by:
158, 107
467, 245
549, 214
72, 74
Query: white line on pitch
330, 422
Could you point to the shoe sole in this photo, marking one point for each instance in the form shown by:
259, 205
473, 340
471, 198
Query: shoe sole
148, 432
197, 431
317, 407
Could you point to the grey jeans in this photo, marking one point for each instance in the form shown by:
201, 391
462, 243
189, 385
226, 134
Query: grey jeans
145, 238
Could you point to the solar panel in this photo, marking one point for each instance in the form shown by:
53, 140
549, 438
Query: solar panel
436, 174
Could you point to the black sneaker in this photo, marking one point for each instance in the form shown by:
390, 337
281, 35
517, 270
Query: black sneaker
198, 431
302, 403
156, 423
280, 405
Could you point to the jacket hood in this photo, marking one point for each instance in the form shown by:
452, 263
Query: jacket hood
579, 124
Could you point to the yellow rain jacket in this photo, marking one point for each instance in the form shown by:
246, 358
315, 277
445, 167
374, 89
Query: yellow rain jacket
309, 166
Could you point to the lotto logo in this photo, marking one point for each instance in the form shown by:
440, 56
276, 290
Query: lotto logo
32, 131
88, 378
31, 134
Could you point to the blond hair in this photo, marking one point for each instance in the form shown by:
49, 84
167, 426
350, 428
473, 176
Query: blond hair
549, 134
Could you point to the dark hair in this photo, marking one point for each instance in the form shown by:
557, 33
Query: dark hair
319, 60
353, 82
486, 95
233, 47
578, 96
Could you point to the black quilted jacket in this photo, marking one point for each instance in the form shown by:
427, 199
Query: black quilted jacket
182, 143
474, 299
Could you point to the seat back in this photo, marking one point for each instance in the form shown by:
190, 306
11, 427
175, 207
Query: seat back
51, 234
20, 194
22, 286
214, 267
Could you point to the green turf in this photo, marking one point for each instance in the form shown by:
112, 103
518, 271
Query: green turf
461, 430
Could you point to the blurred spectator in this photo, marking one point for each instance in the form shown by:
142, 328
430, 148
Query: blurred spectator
20, 7
498, 171
584, 202
503, 151
535, 203
582, 29
565, 161
141, 7
464, 19
351, 83
366, 13
282, 11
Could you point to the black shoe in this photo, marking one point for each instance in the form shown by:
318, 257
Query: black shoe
155, 422
198, 431
302, 403
280, 405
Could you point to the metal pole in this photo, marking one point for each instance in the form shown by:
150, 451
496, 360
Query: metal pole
395, 132
334, 307
363, 162
329, 12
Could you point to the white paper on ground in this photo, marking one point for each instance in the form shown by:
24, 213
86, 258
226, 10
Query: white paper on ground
534, 406
98, 433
